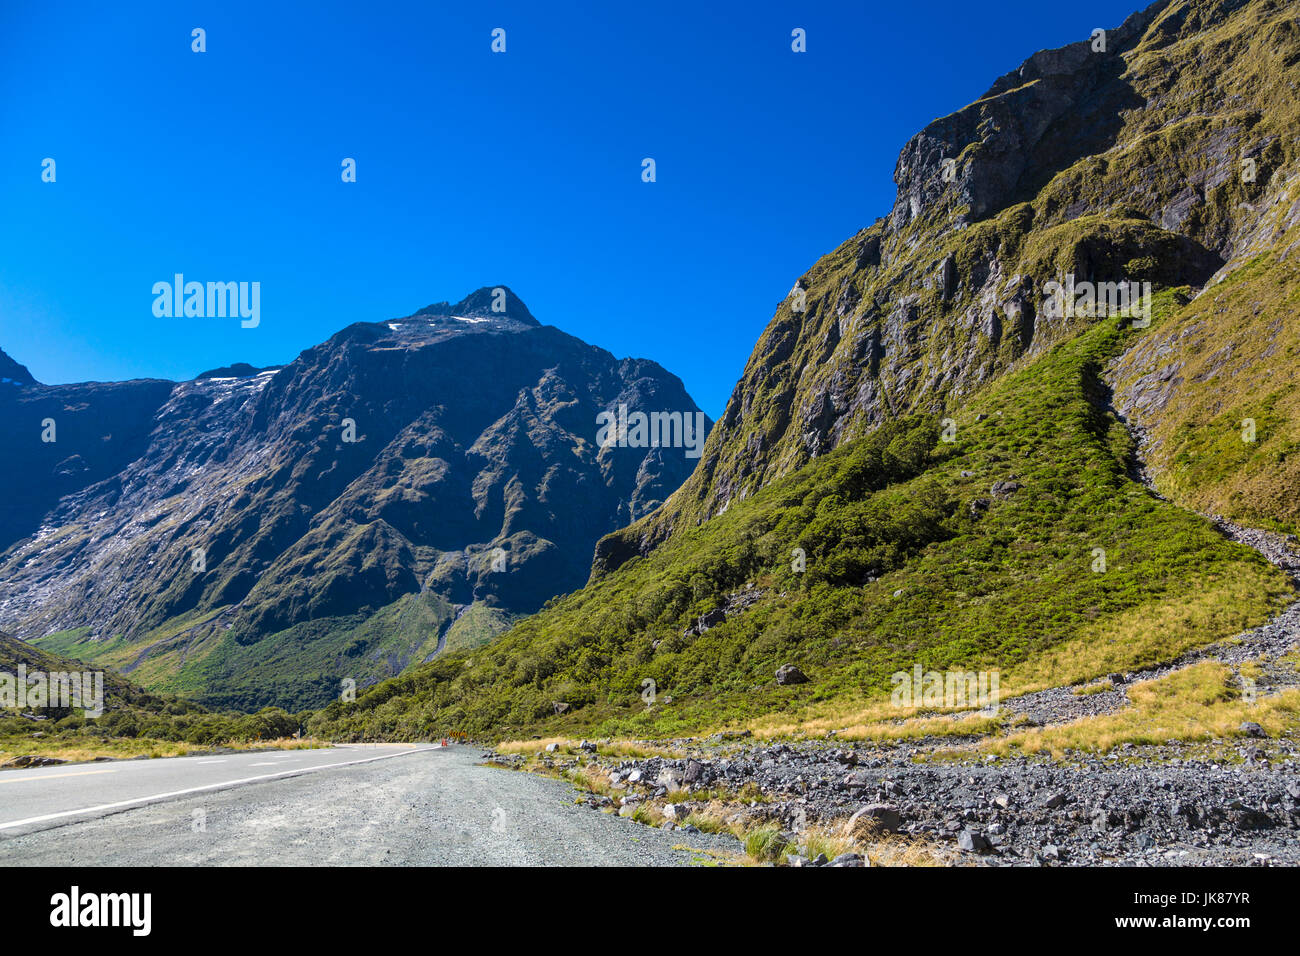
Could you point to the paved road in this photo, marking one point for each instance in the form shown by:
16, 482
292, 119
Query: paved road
38, 798
358, 804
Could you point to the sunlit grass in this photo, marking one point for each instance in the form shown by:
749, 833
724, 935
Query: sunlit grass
76, 749
1221, 607
1200, 702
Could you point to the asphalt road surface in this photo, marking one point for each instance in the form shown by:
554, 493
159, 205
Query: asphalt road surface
394, 804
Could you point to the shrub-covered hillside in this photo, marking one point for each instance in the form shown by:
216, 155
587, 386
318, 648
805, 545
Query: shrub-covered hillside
939, 446
133, 721
911, 556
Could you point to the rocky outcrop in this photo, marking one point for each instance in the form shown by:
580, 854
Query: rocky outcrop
1178, 809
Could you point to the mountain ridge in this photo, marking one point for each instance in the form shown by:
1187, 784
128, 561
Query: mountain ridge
390, 463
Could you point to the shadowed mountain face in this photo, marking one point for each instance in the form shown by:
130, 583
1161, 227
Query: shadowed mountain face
427, 466
11, 373
97, 430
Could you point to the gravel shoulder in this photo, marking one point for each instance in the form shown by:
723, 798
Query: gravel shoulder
1167, 805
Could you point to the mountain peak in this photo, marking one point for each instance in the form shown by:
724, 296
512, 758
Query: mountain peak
13, 373
238, 370
493, 302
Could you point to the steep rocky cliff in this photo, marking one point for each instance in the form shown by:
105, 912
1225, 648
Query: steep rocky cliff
1126, 163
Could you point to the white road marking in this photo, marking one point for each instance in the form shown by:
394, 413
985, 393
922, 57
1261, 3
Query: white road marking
51, 776
158, 797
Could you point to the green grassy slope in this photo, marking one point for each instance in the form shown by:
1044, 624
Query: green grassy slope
133, 720
1219, 391
302, 668
1129, 167
901, 569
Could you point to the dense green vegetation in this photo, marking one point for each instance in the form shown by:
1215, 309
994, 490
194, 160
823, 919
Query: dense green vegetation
302, 667
134, 720
178, 721
910, 559
1227, 441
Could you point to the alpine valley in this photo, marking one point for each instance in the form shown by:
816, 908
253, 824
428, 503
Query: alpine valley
927, 467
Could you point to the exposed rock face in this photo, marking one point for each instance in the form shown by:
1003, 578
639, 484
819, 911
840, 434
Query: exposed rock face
474, 474
789, 674
1212, 391
97, 428
1122, 165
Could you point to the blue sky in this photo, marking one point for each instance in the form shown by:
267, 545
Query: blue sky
473, 168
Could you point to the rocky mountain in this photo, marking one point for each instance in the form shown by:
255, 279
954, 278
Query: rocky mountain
11, 373
1166, 152
936, 457
258, 535
98, 429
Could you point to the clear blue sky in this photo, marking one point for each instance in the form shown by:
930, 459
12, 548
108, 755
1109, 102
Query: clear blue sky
474, 168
